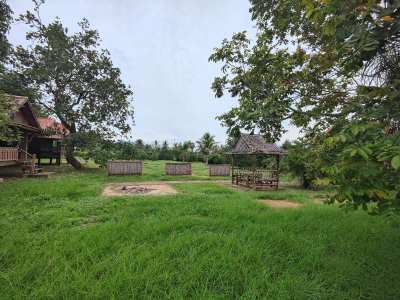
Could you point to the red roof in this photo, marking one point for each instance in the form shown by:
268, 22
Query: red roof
50, 124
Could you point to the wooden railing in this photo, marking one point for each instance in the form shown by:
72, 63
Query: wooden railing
257, 173
29, 161
8, 154
257, 178
25, 155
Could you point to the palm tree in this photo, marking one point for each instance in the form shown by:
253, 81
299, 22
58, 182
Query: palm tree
186, 148
206, 145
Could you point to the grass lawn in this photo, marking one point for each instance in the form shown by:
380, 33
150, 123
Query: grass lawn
60, 239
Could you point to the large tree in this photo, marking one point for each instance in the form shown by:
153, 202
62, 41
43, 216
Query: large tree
5, 23
331, 68
312, 63
6, 132
5, 103
77, 81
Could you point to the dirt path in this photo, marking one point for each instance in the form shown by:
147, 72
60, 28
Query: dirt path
279, 203
147, 187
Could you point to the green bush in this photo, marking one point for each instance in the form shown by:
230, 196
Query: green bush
367, 166
303, 162
216, 159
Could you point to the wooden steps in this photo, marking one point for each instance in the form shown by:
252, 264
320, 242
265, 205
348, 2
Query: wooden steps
30, 168
42, 175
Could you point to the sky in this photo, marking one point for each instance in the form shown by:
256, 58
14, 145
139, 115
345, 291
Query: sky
162, 48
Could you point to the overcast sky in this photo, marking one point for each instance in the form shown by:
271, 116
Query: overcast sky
162, 48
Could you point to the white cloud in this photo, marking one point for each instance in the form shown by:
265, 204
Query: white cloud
162, 48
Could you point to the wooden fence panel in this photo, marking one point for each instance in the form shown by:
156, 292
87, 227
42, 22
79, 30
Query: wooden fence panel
178, 168
219, 170
125, 167
8, 154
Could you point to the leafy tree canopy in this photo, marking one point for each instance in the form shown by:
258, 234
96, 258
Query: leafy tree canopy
5, 103
6, 133
76, 80
332, 68
5, 23
314, 63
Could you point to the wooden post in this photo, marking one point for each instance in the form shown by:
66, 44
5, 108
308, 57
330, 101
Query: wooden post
24, 147
232, 169
33, 162
277, 171
254, 162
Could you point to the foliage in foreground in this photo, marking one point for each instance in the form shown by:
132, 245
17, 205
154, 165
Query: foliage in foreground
301, 162
331, 68
366, 168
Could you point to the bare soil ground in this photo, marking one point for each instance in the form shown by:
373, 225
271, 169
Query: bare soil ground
279, 203
136, 189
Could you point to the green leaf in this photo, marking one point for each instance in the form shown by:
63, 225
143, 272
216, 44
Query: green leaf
363, 153
342, 138
309, 8
396, 162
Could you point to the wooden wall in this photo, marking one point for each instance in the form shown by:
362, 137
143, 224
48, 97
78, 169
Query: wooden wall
178, 168
219, 170
125, 167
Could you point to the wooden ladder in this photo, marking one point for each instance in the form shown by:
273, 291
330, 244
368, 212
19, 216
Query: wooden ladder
29, 164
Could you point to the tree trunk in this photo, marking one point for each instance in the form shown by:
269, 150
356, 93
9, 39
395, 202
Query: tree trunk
206, 159
305, 181
69, 145
69, 155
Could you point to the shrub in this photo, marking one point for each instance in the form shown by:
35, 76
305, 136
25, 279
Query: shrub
218, 158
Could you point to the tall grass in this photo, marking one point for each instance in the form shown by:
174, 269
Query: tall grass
60, 239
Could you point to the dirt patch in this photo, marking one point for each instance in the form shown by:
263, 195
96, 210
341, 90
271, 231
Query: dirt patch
318, 200
139, 189
279, 203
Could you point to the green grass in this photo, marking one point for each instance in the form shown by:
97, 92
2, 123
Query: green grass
152, 171
60, 239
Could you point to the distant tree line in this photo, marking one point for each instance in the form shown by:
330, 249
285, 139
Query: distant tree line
99, 150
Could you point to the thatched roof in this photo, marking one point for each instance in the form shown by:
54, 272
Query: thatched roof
255, 144
22, 114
